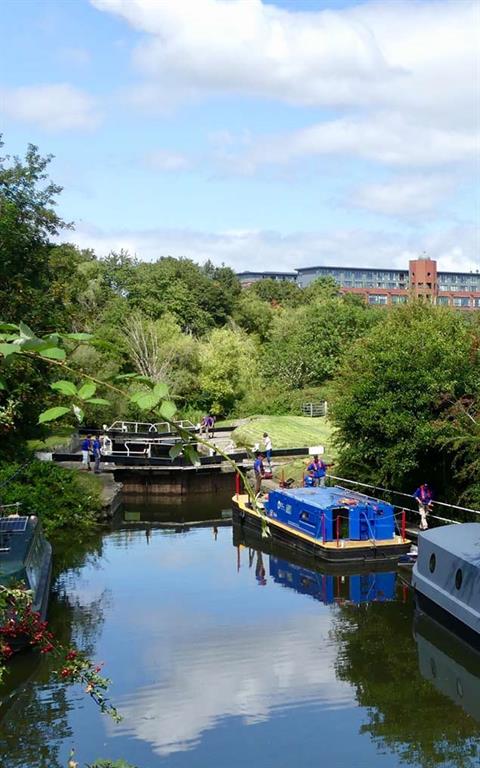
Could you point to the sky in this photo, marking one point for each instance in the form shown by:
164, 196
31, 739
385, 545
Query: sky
263, 135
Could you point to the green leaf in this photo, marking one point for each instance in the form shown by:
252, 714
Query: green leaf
97, 401
9, 349
8, 326
65, 387
2, 384
146, 401
160, 389
53, 353
25, 331
126, 376
87, 390
78, 336
168, 409
52, 414
191, 454
35, 344
175, 450
140, 393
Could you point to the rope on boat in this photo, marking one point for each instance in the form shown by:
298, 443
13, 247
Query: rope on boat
407, 496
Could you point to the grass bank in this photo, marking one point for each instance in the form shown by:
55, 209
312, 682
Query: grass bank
285, 432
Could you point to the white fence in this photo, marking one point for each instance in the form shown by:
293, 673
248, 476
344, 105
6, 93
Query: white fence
315, 409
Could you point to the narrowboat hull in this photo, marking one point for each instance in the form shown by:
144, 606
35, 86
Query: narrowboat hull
355, 552
446, 578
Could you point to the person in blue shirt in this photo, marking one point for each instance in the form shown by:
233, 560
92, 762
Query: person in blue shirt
97, 454
424, 498
259, 470
86, 447
319, 469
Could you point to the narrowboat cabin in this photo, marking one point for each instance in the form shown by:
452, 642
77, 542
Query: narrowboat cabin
26, 558
333, 524
446, 578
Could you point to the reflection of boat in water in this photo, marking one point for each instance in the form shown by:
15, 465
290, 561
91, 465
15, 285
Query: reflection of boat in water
331, 524
446, 577
332, 588
450, 664
327, 582
25, 558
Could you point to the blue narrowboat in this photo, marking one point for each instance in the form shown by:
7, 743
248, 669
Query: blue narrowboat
333, 524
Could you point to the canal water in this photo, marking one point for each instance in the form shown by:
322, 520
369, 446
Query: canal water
222, 654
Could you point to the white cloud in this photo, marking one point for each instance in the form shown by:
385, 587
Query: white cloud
54, 107
390, 53
172, 714
405, 195
164, 161
455, 248
387, 138
405, 74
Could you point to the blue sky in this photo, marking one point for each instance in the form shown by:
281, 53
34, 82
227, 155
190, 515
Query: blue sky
262, 135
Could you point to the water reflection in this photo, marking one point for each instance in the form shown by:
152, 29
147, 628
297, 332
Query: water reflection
226, 655
451, 665
334, 588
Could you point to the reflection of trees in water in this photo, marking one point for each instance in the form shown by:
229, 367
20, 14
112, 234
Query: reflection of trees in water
34, 723
35, 708
378, 656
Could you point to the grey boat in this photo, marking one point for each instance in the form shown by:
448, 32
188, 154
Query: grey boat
446, 578
25, 558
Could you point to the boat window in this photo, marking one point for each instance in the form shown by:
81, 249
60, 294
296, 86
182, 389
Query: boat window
433, 562
288, 509
305, 517
458, 578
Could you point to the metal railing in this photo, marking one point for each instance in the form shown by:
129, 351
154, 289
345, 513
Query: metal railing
147, 426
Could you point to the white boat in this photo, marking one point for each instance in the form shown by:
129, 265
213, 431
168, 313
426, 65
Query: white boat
446, 577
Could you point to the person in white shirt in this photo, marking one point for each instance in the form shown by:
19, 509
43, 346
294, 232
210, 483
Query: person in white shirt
268, 449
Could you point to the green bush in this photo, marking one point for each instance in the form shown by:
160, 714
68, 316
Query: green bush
276, 400
62, 498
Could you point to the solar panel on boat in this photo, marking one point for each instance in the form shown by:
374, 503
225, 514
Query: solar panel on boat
13, 524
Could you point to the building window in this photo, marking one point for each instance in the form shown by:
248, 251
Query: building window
399, 299
377, 298
476, 302
461, 301
442, 299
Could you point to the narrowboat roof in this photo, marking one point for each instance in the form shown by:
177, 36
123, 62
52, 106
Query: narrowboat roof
462, 541
16, 533
326, 497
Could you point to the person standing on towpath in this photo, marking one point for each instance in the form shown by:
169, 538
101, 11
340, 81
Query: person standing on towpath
267, 441
86, 446
424, 498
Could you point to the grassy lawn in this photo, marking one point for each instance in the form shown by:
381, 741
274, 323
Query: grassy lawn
286, 432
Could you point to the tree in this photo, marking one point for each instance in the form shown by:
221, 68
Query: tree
389, 393
228, 361
306, 344
283, 293
28, 221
